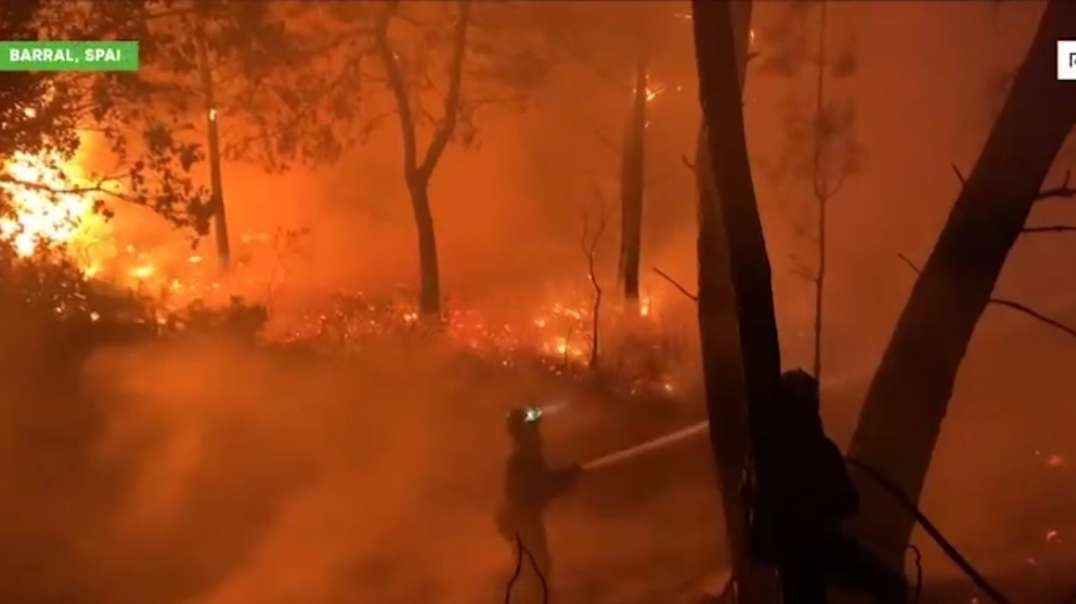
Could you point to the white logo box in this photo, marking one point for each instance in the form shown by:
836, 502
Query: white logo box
1066, 59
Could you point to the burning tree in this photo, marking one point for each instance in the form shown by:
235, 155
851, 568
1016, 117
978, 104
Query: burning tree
628, 78
36, 108
150, 124
226, 62
47, 201
40, 114
632, 186
219, 80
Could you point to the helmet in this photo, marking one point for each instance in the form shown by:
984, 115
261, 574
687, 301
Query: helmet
522, 420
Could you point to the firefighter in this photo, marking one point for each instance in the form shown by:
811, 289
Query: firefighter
530, 485
807, 495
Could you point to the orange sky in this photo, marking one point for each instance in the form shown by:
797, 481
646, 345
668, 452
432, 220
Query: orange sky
508, 220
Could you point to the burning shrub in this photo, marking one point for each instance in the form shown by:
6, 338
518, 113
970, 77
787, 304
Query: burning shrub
239, 319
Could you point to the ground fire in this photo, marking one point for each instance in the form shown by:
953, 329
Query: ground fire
589, 302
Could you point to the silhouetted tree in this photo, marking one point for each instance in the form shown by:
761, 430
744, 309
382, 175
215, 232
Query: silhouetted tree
419, 168
37, 109
909, 395
738, 330
460, 56
589, 243
46, 113
819, 146
633, 185
220, 63
610, 75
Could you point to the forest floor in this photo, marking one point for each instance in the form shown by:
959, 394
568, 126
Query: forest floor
204, 470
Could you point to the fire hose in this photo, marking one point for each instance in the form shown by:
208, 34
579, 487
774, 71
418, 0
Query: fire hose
873, 473
936, 535
650, 445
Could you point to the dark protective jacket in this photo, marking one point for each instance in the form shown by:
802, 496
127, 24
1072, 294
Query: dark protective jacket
530, 486
806, 492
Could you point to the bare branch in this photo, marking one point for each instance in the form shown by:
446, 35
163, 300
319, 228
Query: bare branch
959, 176
1064, 190
1057, 228
590, 245
837, 186
98, 187
452, 99
399, 88
1061, 191
911, 265
1034, 314
676, 284
1009, 304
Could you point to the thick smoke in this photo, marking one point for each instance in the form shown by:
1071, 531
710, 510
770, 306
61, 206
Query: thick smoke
215, 472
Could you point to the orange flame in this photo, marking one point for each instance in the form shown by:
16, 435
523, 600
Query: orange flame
46, 213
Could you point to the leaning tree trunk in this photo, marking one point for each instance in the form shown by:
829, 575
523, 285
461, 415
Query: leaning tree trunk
632, 187
725, 387
429, 273
722, 362
216, 181
907, 399
738, 329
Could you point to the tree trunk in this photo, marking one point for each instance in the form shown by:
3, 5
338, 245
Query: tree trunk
902, 415
725, 387
740, 372
821, 193
429, 275
417, 173
632, 186
216, 181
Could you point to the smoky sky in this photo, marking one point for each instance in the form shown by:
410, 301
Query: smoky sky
207, 472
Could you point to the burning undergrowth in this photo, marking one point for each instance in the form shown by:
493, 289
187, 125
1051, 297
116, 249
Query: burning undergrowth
116, 264
637, 355
183, 451
177, 465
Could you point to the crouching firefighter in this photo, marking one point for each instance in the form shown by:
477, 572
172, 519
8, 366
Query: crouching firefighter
803, 499
530, 485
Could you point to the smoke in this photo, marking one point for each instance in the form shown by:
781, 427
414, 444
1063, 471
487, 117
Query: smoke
214, 472
202, 470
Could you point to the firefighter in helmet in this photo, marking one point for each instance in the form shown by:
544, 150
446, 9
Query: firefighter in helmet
808, 497
530, 485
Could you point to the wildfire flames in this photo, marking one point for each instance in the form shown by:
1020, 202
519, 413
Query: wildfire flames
52, 213
44, 214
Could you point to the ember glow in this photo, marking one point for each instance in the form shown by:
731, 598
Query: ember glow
55, 213
43, 216
272, 357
